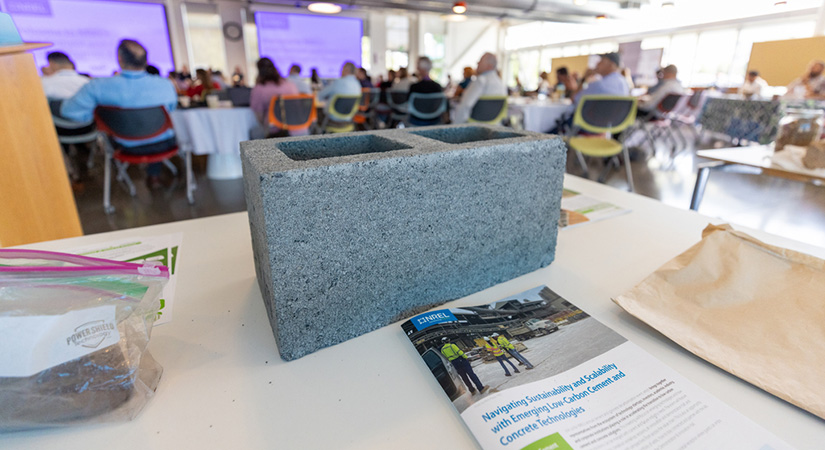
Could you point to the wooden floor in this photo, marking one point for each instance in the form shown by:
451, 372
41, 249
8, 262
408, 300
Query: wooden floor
787, 208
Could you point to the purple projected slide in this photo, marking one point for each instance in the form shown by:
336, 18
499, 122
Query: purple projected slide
321, 42
89, 31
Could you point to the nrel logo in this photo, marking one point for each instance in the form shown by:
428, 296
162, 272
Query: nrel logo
425, 320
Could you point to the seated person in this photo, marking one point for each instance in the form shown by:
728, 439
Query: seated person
811, 84
295, 77
217, 77
63, 81
348, 84
425, 86
611, 82
753, 85
648, 103
486, 83
363, 77
203, 86
544, 84
402, 80
566, 80
387, 84
468, 78
269, 84
237, 77
315, 80
132, 88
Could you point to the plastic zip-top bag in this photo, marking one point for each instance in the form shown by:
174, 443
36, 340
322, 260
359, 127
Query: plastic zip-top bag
73, 338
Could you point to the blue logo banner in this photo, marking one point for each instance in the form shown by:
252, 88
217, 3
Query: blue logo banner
422, 321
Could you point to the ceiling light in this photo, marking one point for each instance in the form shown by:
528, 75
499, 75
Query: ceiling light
668, 4
453, 17
579, 2
324, 8
780, 4
601, 17
460, 7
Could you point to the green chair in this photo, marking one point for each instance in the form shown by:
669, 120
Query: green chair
490, 109
603, 115
340, 113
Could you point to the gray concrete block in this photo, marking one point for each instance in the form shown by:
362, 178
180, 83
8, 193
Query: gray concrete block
355, 231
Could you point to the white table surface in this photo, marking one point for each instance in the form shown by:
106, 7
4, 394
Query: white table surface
759, 156
224, 385
537, 115
216, 132
207, 131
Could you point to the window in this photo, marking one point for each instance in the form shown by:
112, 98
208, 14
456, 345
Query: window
570, 50
366, 53
650, 43
525, 35
204, 37
526, 69
546, 58
681, 53
714, 52
434, 49
603, 47
398, 41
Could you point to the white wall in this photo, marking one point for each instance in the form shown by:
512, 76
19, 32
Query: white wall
467, 41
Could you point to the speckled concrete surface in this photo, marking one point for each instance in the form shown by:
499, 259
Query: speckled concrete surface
354, 231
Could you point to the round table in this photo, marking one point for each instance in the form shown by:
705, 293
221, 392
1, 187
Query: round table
216, 132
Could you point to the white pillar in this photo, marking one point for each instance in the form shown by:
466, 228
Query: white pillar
377, 31
819, 28
231, 12
177, 35
414, 42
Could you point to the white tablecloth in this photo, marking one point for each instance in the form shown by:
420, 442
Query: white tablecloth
207, 131
217, 132
537, 115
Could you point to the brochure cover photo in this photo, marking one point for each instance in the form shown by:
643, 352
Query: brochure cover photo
577, 209
533, 371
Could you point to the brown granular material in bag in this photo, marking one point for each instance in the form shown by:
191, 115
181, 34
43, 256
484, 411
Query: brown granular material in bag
76, 390
799, 132
815, 155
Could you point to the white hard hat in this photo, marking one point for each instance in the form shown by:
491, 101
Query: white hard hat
444, 339
486, 338
495, 334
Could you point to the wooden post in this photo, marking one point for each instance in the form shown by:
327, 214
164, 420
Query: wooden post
36, 201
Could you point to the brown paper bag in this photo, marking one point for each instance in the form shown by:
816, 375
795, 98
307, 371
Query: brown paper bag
755, 310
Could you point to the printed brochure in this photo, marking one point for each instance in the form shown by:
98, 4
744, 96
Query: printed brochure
533, 371
164, 249
577, 209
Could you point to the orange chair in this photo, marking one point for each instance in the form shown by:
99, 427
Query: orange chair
292, 112
362, 117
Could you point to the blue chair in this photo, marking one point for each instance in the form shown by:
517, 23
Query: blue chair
427, 108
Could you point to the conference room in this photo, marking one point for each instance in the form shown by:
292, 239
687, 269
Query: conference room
263, 140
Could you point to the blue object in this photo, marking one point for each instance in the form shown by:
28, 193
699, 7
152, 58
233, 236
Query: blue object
130, 89
8, 32
422, 321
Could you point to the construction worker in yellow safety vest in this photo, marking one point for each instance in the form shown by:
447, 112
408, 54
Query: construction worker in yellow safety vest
493, 347
511, 349
459, 361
